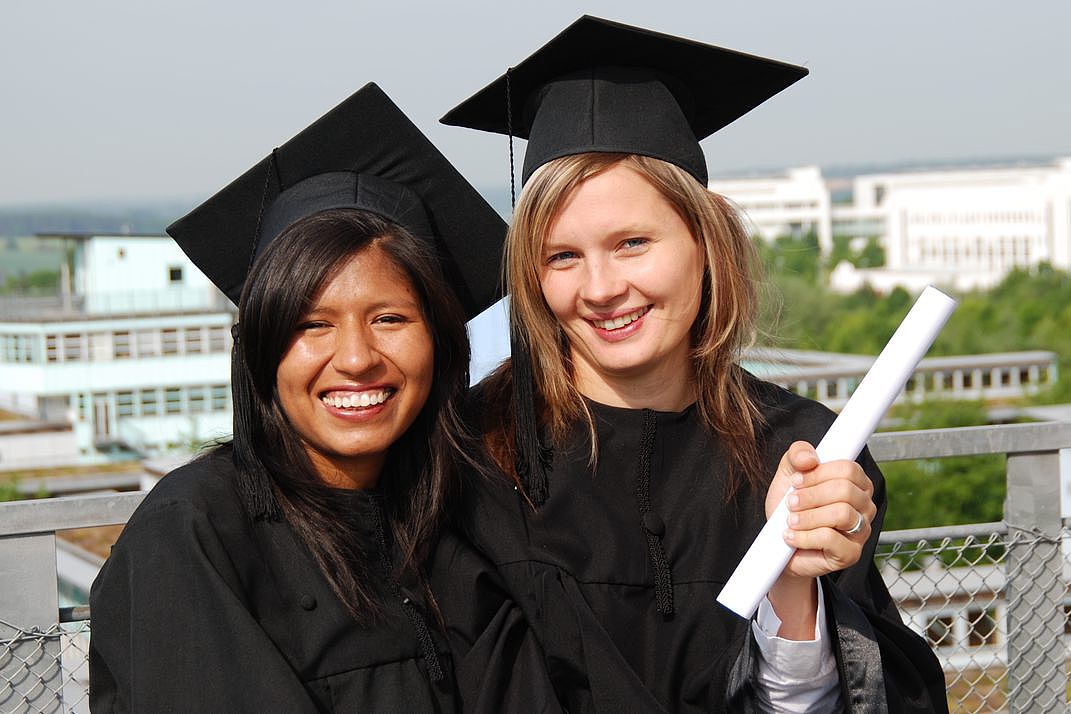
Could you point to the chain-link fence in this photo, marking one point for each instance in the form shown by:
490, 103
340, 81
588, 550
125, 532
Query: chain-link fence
957, 589
45, 671
992, 598
992, 601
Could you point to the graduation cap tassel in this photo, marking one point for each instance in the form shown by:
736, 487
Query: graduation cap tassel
509, 130
272, 164
254, 484
531, 461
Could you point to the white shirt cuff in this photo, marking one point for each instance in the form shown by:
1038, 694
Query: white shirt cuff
795, 675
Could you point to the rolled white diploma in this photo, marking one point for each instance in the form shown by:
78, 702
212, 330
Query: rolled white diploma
769, 554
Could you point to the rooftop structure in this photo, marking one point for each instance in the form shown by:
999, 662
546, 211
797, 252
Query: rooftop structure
134, 352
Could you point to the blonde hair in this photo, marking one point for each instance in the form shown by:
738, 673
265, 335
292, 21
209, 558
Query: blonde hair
724, 326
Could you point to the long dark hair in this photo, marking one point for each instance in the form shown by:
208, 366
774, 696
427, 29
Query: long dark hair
276, 477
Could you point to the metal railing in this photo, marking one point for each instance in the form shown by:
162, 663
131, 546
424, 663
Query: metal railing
992, 598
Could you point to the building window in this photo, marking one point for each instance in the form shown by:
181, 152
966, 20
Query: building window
121, 345
150, 403
174, 274
147, 346
217, 339
219, 397
124, 402
193, 340
196, 395
169, 340
939, 631
51, 353
72, 348
24, 348
983, 628
173, 400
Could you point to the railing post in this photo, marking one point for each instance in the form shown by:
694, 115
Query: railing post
30, 673
1037, 678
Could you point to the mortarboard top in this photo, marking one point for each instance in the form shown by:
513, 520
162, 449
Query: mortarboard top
364, 153
605, 86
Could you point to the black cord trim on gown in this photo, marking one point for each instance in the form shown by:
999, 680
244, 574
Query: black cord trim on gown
653, 526
420, 625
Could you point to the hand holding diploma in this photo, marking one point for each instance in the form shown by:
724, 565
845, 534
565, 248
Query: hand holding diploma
835, 488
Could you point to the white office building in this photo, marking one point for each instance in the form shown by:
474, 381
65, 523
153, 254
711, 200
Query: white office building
134, 353
964, 228
791, 205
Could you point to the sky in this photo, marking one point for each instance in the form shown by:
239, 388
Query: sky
171, 99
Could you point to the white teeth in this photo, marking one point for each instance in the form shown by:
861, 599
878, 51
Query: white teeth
619, 322
359, 401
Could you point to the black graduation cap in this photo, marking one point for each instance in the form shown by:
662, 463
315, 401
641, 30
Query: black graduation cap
604, 86
364, 153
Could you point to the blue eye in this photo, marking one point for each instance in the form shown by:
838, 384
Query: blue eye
634, 242
561, 257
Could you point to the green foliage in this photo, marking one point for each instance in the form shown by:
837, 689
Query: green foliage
9, 491
37, 281
1028, 310
871, 255
950, 491
791, 256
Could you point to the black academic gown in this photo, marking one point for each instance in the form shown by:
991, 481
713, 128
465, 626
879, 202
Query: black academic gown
200, 610
619, 569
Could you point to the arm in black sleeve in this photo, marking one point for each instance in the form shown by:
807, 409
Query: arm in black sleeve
498, 662
171, 631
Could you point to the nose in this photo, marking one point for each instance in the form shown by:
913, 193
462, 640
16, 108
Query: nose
355, 352
602, 283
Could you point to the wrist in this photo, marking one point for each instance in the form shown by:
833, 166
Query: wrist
795, 601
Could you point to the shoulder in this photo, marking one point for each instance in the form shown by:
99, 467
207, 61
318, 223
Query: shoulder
787, 416
202, 489
782, 408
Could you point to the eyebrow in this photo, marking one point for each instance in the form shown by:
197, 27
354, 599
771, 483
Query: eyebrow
379, 305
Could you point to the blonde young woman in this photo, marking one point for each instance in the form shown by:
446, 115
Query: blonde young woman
637, 459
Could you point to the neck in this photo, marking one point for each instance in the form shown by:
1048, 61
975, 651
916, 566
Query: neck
346, 474
654, 391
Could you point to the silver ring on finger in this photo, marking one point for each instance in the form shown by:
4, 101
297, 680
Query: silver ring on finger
860, 520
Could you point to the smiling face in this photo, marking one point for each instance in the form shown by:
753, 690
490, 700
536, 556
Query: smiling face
358, 369
623, 276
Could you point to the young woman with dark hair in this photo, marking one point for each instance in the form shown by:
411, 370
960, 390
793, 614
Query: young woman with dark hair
303, 566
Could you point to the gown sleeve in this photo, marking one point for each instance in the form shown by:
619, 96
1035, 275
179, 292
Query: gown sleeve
866, 625
171, 631
883, 665
498, 662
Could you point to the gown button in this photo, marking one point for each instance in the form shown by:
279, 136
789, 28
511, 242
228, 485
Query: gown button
653, 523
307, 602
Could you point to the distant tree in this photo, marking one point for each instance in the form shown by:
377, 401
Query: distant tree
950, 491
791, 256
872, 255
37, 281
8, 491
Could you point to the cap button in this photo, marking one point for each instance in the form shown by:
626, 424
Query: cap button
307, 602
653, 523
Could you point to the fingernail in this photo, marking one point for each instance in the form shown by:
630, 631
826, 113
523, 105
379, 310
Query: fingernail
797, 480
794, 520
793, 500
790, 536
